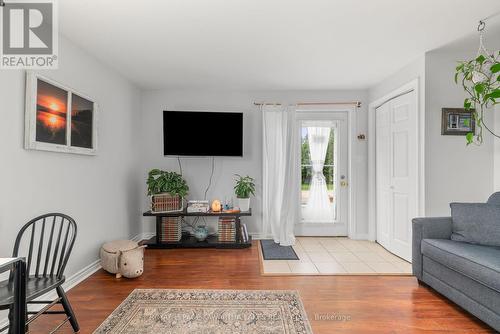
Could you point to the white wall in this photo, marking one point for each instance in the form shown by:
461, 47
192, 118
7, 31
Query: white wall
100, 192
414, 70
454, 171
496, 166
197, 170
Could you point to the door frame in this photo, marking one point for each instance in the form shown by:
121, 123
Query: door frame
413, 85
303, 112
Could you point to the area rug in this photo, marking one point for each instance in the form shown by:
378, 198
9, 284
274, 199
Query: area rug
208, 312
274, 251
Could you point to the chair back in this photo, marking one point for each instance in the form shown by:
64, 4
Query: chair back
46, 242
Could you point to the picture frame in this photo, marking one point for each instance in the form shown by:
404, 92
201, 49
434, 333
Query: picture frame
457, 122
59, 118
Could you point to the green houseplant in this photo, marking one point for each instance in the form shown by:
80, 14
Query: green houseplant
244, 187
480, 78
167, 190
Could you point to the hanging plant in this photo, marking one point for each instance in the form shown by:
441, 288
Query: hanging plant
480, 78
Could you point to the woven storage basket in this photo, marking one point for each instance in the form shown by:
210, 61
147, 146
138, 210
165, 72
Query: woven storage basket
161, 203
171, 229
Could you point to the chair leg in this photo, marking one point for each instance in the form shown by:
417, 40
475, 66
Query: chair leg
26, 328
67, 308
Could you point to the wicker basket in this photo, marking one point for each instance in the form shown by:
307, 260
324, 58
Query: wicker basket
161, 203
171, 229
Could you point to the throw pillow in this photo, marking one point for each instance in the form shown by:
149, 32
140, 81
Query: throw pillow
476, 223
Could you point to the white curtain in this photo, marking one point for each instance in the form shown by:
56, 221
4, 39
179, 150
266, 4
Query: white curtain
318, 208
280, 170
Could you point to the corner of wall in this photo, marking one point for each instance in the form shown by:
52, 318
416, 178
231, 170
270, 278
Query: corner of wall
496, 163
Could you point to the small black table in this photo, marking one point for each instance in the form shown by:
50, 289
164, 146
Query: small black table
18, 264
188, 241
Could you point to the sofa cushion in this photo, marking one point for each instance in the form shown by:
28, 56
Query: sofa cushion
494, 199
481, 263
477, 223
473, 296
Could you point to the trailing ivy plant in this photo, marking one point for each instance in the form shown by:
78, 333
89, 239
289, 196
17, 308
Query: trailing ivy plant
244, 186
160, 181
480, 78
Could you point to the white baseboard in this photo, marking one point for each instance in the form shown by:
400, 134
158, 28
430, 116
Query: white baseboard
260, 236
362, 236
74, 279
143, 236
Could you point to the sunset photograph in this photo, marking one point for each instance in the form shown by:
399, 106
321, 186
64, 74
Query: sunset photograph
51, 114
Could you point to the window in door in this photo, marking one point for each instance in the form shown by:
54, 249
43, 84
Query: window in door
318, 171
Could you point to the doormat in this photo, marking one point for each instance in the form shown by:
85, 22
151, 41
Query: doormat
273, 251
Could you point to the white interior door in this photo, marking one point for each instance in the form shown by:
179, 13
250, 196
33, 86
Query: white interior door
324, 193
396, 173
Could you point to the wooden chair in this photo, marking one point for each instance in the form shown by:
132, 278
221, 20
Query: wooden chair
48, 240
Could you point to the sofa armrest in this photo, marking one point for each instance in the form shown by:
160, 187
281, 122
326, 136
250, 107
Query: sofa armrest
427, 228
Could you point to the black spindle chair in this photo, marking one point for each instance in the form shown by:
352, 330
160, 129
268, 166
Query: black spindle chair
46, 243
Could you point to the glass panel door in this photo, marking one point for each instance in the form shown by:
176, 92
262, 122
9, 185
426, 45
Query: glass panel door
323, 174
318, 155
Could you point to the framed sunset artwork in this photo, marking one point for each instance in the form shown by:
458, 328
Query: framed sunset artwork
59, 118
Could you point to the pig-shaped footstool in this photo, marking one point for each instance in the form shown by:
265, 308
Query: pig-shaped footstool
123, 258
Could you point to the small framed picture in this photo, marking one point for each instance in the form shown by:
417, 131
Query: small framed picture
58, 118
457, 122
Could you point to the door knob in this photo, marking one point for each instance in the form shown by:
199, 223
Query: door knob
343, 183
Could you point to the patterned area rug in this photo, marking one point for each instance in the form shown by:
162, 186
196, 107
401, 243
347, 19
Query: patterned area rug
208, 312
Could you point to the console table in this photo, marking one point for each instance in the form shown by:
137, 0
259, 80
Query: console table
188, 241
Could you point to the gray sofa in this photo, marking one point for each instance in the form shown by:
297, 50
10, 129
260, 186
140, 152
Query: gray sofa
466, 273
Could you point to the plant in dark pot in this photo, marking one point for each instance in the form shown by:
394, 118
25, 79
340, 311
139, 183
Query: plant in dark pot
244, 187
167, 190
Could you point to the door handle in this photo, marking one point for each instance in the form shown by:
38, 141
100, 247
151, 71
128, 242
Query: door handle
343, 182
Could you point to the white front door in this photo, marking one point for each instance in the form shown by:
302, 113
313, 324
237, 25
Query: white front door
323, 172
396, 173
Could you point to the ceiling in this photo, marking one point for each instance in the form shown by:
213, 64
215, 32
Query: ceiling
265, 44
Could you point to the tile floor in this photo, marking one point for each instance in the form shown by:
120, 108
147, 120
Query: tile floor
338, 256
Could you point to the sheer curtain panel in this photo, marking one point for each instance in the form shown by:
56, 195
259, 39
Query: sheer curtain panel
280, 172
318, 207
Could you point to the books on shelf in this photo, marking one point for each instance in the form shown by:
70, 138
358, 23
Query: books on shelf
244, 233
171, 229
227, 229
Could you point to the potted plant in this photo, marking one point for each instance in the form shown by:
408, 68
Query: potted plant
244, 187
167, 190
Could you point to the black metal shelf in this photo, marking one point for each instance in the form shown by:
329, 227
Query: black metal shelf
191, 242
184, 213
188, 241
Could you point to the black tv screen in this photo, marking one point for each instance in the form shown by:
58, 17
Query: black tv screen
194, 133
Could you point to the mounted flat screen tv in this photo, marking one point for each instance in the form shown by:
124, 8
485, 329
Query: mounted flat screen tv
194, 133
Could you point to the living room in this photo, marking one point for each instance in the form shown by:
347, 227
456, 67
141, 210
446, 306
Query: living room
134, 147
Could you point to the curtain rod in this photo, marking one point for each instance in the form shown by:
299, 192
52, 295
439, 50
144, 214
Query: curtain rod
356, 103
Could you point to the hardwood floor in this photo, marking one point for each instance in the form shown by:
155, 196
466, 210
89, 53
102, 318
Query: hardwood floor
368, 304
